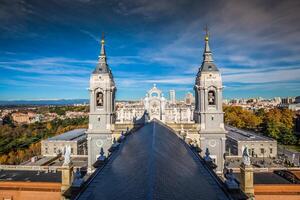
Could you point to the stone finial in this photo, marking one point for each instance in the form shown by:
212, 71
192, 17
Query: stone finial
231, 182
115, 144
102, 157
78, 180
182, 132
246, 157
207, 155
122, 137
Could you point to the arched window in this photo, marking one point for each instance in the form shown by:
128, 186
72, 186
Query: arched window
99, 99
211, 97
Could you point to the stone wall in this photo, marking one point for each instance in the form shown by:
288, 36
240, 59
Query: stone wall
30, 190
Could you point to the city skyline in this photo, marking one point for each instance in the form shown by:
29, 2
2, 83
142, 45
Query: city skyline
48, 49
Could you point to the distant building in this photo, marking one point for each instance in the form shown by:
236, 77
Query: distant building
172, 96
258, 146
291, 103
25, 118
55, 145
297, 99
294, 106
157, 107
72, 114
21, 118
288, 100
277, 100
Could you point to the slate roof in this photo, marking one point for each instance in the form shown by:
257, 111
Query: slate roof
101, 68
73, 135
243, 135
153, 163
208, 67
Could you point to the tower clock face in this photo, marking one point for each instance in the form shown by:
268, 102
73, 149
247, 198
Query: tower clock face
99, 143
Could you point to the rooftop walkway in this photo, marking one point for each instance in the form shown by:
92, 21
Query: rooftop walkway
153, 163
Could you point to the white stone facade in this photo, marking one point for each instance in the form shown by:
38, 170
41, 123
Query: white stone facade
157, 106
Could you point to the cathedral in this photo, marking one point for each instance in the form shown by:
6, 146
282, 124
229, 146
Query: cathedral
157, 106
205, 118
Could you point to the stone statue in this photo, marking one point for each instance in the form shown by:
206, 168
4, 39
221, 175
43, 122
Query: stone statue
99, 99
246, 157
146, 102
175, 115
67, 155
188, 114
211, 98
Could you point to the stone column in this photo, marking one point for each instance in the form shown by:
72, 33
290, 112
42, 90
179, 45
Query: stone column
247, 179
66, 178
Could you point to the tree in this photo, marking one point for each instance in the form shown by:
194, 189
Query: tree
18, 143
273, 129
49, 126
287, 118
12, 158
3, 159
287, 136
240, 118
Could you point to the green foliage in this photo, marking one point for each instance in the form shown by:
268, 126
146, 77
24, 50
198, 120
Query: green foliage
61, 110
272, 130
236, 116
287, 136
21, 142
275, 123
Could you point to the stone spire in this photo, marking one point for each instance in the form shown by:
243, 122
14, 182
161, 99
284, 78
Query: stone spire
207, 55
102, 66
207, 64
102, 52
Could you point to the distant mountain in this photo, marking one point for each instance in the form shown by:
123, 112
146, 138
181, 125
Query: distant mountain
45, 102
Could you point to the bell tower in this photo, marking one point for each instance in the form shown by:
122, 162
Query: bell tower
102, 109
208, 108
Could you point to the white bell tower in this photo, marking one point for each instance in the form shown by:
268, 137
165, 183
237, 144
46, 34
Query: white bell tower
208, 108
102, 109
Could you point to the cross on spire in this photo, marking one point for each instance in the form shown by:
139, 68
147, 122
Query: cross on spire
102, 38
102, 53
206, 33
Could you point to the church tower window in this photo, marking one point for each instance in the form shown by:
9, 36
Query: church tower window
99, 99
211, 97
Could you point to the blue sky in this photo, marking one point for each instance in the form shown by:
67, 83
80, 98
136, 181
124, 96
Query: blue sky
49, 48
